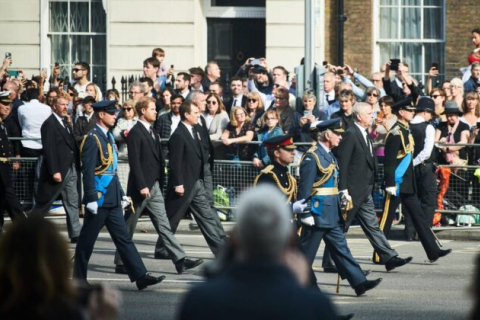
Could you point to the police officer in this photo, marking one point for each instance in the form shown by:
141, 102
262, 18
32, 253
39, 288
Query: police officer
319, 178
424, 156
104, 198
8, 197
400, 184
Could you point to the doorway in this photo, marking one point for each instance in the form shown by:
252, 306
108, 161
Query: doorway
232, 41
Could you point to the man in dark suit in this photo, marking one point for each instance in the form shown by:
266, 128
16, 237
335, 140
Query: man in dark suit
319, 179
357, 178
186, 188
238, 99
259, 284
145, 180
104, 199
58, 174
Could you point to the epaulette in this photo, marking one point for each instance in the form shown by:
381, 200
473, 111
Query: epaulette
395, 131
312, 149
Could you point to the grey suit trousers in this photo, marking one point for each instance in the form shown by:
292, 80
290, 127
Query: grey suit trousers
69, 193
368, 221
156, 209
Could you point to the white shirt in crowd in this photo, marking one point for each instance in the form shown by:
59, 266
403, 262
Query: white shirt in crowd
175, 122
31, 116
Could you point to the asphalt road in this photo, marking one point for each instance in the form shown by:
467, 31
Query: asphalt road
420, 290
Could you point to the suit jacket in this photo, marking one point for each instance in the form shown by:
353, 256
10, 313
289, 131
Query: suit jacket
218, 125
325, 209
207, 150
147, 164
229, 102
113, 193
254, 291
163, 127
357, 167
60, 151
186, 167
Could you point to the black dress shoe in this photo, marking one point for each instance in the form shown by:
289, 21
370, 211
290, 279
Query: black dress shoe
74, 240
120, 269
186, 264
367, 285
346, 317
396, 262
148, 280
330, 269
441, 254
161, 256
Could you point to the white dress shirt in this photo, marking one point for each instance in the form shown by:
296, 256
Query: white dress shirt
364, 134
31, 116
428, 143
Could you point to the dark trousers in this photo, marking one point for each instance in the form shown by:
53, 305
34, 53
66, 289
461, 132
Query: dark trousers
412, 204
8, 198
366, 215
427, 194
205, 216
336, 243
113, 219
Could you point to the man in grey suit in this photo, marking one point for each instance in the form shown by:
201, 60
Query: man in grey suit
145, 185
357, 165
58, 174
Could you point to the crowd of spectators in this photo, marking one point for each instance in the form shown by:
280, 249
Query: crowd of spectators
260, 103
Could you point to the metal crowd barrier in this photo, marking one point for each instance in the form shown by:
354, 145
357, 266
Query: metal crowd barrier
460, 190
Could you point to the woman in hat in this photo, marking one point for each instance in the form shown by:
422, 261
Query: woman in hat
450, 132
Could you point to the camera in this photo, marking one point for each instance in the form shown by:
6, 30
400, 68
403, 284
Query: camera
394, 65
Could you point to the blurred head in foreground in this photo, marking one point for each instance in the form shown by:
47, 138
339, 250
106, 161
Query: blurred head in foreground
263, 230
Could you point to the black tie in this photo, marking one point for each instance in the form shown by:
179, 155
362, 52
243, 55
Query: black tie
152, 133
369, 143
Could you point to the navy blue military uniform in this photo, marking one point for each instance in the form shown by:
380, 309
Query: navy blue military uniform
101, 184
319, 176
399, 147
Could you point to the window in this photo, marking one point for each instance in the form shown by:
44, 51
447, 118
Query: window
412, 31
77, 32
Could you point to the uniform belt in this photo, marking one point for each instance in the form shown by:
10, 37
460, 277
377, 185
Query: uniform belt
325, 191
4, 160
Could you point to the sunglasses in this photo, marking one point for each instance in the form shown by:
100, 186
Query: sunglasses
252, 100
372, 95
128, 109
212, 102
435, 96
77, 69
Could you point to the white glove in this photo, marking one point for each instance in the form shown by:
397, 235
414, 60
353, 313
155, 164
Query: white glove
299, 206
308, 221
125, 202
92, 207
391, 190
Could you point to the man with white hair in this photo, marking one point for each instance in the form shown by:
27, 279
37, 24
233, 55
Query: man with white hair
263, 282
358, 165
319, 179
